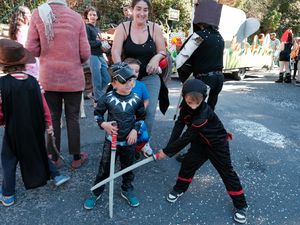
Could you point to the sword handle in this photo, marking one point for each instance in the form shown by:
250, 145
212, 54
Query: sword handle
114, 139
155, 156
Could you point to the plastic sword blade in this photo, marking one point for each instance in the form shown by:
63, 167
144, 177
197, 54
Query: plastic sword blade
129, 168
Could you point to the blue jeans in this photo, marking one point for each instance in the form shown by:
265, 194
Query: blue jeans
152, 83
100, 75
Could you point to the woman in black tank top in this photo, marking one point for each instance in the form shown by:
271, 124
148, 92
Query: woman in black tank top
140, 38
143, 52
143, 40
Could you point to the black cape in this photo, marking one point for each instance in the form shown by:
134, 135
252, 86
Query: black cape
25, 128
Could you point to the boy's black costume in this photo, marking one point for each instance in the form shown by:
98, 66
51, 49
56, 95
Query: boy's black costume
129, 112
208, 139
24, 139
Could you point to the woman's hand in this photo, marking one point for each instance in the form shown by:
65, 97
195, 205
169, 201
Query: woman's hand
153, 65
110, 127
132, 137
50, 130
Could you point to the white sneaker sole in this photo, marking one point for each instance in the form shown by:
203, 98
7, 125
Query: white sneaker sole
5, 204
175, 199
61, 182
239, 219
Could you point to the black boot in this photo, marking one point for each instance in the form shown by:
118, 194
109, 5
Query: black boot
280, 79
287, 78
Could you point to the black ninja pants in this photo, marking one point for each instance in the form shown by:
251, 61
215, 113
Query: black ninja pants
126, 157
197, 155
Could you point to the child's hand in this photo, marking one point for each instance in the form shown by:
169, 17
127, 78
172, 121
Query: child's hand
50, 130
132, 137
161, 155
109, 127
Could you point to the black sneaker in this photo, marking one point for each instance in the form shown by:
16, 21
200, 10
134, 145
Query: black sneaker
173, 196
240, 215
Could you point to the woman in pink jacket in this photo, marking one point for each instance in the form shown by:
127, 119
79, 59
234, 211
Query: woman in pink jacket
57, 35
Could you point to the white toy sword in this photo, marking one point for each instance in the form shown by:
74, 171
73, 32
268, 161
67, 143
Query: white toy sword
127, 169
111, 173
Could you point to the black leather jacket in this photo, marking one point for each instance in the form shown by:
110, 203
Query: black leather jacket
127, 110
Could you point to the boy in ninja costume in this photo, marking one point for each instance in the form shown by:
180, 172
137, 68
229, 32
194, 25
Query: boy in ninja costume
209, 140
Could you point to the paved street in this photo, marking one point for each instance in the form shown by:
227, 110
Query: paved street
264, 118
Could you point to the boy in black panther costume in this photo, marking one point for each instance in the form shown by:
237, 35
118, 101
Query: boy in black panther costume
127, 110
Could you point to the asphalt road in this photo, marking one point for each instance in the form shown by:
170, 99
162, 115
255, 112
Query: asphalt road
264, 118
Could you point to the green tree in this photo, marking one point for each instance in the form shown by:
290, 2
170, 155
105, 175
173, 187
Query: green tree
271, 20
275, 15
160, 13
7, 7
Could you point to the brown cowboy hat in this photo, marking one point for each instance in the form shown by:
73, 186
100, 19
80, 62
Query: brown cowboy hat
13, 53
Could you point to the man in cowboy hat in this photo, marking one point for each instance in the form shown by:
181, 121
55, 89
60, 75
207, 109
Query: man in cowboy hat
25, 114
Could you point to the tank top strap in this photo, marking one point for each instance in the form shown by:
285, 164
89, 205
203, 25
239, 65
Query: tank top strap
149, 34
153, 29
124, 29
148, 28
129, 29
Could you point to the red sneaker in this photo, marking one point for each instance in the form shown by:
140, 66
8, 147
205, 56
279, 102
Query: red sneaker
78, 163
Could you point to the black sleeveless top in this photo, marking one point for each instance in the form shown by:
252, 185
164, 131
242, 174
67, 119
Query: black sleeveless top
284, 55
142, 52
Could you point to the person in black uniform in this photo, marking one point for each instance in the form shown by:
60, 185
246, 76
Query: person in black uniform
127, 110
206, 61
209, 141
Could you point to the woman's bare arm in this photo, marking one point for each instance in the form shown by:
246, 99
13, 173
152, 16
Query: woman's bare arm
117, 47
